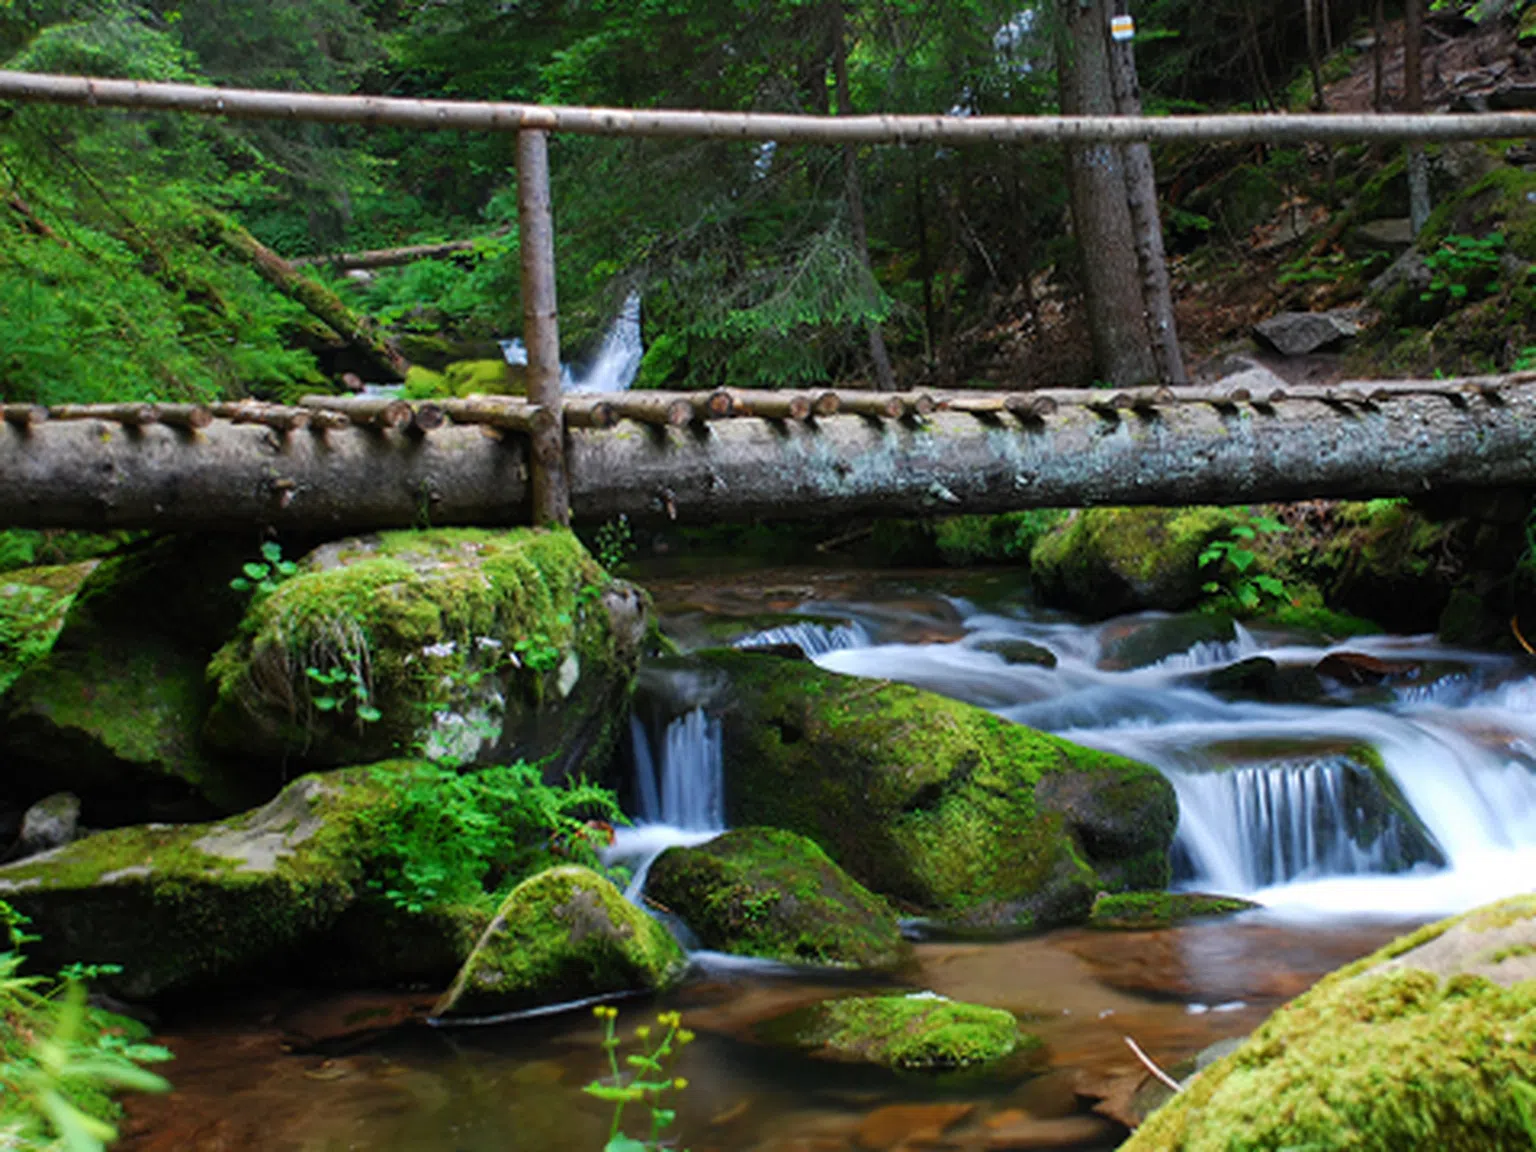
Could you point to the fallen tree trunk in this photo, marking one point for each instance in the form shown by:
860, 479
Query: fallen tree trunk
390, 257
94, 474
357, 330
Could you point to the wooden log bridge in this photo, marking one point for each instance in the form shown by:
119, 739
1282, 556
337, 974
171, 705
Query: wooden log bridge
344, 464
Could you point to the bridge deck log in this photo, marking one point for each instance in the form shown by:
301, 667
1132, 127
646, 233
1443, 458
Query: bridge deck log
1401, 441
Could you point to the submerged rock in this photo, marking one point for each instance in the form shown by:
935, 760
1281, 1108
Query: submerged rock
763, 892
565, 934
1145, 640
468, 644
943, 806
916, 1033
1133, 911
1420, 1045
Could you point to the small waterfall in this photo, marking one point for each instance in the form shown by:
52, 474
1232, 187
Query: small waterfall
618, 356
680, 794
811, 638
1253, 827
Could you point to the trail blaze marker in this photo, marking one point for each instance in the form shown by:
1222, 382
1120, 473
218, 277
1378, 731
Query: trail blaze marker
1121, 27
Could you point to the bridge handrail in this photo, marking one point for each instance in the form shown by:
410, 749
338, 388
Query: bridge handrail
487, 116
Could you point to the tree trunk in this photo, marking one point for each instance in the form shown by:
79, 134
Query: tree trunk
1381, 441
885, 378
1378, 56
1141, 198
390, 257
1122, 352
1413, 101
357, 330
1314, 63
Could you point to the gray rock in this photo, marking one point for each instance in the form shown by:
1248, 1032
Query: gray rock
1392, 235
50, 823
1408, 271
1259, 381
1298, 333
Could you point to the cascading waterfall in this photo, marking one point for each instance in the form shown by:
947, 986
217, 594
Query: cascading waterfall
810, 637
617, 361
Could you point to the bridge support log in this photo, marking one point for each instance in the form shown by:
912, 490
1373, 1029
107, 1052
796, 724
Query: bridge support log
98, 474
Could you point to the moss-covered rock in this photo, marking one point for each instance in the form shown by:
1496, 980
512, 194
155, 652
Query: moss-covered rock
1104, 561
1416, 1046
564, 934
916, 1033
946, 807
33, 602
465, 643
763, 892
113, 711
279, 891
1141, 910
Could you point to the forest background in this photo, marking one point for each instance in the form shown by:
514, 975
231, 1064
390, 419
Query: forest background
119, 279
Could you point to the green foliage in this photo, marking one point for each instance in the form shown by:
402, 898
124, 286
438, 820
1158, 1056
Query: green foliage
1231, 560
60, 1059
614, 543
264, 575
644, 1078
1525, 1104
335, 689
452, 836
1463, 265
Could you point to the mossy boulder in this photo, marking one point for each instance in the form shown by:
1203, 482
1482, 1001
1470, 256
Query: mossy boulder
1104, 561
1419, 1045
764, 892
113, 712
465, 643
916, 1033
186, 907
947, 808
33, 602
564, 934
1143, 910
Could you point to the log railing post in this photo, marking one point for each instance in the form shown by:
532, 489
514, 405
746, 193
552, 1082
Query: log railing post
541, 330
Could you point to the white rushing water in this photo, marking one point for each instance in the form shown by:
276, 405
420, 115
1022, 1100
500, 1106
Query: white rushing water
616, 362
1273, 804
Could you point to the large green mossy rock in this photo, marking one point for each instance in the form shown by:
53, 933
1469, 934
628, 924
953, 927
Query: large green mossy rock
764, 892
278, 890
565, 934
1417, 1046
463, 643
1104, 561
945, 807
33, 602
916, 1033
113, 711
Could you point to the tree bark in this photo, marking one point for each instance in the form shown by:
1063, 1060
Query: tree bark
1378, 55
885, 378
357, 330
465, 116
1314, 62
1413, 101
1122, 352
389, 257
1141, 198
541, 328
1381, 441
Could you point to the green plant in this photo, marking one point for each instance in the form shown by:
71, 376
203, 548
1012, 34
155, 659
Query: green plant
1460, 265
338, 687
452, 836
1525, 1104
647, 1080
1230, 560
264, 575
614, 543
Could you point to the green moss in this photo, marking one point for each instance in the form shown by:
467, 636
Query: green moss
33, 602
492, 377
1007, 537
763, 892
1140, 910
1110, 560
506, 632
562, 935
1377, 1056
944, 806
918, 1033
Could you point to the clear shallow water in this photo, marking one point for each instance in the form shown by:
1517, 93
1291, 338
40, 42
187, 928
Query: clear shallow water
1457, 739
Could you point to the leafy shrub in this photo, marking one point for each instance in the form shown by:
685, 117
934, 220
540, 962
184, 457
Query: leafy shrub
454, 836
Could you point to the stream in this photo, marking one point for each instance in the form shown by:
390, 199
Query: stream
1397, 789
